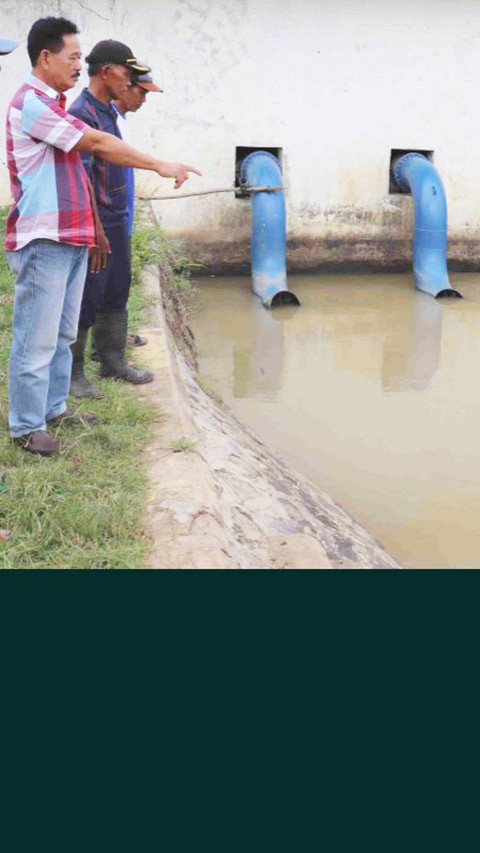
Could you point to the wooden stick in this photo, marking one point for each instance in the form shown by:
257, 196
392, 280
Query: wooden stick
208, 192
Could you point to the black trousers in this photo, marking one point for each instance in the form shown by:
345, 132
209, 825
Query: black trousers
108, 290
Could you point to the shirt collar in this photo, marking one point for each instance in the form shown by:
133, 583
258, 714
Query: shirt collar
36, 83
99, 105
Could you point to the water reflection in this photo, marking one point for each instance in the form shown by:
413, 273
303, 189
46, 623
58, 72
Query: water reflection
258, 361
411, 352
410, 356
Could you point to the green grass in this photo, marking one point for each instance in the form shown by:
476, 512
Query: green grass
183, 445
83, 508
151, 246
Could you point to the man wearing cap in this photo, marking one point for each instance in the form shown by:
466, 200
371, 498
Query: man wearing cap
6, 46
104, 303
51, 226
130, 102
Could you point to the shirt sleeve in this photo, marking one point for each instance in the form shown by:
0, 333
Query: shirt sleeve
45, 120
81, 112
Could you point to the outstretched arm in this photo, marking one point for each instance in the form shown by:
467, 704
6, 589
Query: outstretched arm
111, 148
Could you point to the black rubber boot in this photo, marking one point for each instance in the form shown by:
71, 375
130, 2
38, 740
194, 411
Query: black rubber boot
111, 338
79, 385
93, 351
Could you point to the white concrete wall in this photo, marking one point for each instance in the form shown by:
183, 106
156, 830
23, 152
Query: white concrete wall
336, 83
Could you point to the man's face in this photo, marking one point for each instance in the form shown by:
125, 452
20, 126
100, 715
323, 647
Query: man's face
117, 80
62, 69
134, 98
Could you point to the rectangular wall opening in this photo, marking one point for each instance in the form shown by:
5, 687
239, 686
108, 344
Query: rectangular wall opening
395, 153
242, 151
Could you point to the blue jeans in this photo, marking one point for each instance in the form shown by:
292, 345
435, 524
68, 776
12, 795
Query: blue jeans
48, 294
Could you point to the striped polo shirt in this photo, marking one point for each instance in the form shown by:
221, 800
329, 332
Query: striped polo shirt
47, 178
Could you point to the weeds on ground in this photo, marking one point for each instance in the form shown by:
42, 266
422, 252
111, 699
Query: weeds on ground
183, 445
83, 508
150, 246
178, 288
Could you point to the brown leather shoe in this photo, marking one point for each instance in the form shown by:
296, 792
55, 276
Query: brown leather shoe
38, 442
72, 417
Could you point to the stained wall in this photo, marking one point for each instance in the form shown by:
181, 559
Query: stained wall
335, 84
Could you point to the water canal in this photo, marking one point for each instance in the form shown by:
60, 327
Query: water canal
370, 389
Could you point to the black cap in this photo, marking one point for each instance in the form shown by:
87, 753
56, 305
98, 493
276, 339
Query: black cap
110, 52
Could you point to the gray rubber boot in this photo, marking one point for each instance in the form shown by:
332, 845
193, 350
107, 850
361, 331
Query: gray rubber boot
111, 338
79, 385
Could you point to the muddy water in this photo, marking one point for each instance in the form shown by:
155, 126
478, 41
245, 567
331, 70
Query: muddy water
370, 389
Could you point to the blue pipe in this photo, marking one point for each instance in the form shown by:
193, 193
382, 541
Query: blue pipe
269, 230
414, 173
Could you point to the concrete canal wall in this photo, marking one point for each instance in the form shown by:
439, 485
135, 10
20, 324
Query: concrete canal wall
333, 86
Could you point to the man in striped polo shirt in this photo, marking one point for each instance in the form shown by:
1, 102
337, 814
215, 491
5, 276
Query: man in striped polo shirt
51, 227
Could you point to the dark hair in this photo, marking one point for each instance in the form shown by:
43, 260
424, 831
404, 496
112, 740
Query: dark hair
95, 68
47, 34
